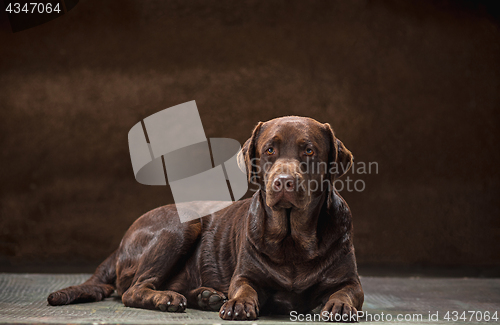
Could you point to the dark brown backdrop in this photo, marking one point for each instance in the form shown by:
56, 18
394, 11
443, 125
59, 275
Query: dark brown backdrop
413, 86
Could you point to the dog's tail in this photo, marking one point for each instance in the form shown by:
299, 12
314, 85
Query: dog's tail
98, 287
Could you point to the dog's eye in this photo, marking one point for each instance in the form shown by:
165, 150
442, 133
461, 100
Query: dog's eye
270, 151
309, 152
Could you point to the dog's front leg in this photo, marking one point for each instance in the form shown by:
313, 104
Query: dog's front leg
243, 303
344, 304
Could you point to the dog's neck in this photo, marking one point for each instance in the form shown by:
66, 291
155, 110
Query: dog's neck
276, 231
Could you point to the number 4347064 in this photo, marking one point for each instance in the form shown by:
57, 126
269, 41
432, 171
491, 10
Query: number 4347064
478, 316
33, 7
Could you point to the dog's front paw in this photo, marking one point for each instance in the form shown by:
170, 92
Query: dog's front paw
239, 309
210, 299
339, 311
170, 301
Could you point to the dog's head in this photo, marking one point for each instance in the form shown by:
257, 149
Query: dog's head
294, 160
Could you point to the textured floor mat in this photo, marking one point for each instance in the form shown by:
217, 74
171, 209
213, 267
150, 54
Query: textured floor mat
23, 300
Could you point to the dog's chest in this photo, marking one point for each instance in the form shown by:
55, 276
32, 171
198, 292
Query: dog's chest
292, 289
284, 302
290, 278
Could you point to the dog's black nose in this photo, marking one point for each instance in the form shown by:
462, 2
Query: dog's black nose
284, 182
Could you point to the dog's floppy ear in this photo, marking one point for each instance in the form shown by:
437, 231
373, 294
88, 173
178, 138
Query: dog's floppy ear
247, 154
344, 159
340, 159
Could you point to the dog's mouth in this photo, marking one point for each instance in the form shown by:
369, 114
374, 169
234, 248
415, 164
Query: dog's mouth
284, 205
282, 202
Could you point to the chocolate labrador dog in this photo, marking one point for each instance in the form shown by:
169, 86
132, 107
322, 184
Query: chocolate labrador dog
287, 248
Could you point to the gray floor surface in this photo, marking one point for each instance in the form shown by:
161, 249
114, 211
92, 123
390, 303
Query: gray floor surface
23, 300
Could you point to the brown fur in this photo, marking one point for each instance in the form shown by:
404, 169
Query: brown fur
279, 251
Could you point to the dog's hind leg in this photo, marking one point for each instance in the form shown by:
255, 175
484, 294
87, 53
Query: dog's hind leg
147, 287
162, 258
98, 287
